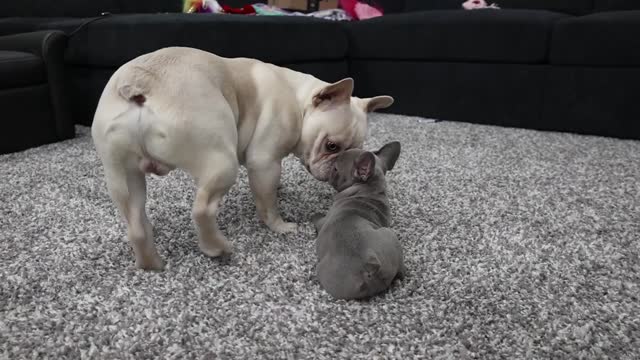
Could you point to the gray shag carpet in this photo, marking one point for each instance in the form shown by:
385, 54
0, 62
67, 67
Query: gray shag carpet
518, 243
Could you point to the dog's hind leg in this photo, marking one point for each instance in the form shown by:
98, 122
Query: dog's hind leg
211, 188
128, 189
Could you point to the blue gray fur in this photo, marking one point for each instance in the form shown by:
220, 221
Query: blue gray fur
358, 254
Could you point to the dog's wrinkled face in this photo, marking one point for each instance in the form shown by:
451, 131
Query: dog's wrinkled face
360, 166
334, 122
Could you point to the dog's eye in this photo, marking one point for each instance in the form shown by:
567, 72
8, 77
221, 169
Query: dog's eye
332, 147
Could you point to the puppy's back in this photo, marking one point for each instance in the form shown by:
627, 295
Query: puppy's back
357, 259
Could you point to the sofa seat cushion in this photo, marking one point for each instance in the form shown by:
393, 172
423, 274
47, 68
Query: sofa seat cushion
601, 39
509, 36
19, 69
114, 40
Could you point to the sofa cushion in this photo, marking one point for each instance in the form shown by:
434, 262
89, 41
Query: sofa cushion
612, 5
149, 6
17, 25
607, 38
30, 125
512, 36
112, 41
58, 8
592, 100
20, 69
496, 94
565, 6
391, 6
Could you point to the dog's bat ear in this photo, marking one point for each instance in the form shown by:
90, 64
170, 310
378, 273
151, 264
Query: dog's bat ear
372, 263
376, 103
389, 154
334, 93
364, 166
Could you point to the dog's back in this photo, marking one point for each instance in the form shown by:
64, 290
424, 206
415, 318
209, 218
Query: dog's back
358, 258
158, 108
358, 254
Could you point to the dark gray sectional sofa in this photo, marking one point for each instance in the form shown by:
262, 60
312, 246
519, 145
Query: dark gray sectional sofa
562, 65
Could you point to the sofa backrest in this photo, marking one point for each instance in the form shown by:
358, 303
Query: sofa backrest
56, 8
150, 6
577, 7
84, 8
390, 6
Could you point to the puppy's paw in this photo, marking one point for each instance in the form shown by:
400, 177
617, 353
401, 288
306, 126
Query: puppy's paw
282, 227
216, 249
150, 263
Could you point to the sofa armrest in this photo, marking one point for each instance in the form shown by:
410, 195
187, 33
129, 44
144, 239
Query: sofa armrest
37, 43
50, 46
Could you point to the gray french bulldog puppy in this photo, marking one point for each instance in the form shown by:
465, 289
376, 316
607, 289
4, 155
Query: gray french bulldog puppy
358, 254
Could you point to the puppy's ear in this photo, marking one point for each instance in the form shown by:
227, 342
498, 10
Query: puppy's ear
364, 166
376, 103
372, 263
389, 154
335, 93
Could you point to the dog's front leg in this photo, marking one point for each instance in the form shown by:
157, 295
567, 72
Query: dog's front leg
264, 178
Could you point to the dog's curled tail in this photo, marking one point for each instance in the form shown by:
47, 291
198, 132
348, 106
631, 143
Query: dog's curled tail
132, 93
135, 83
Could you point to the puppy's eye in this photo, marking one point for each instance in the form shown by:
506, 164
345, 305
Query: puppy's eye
332, 147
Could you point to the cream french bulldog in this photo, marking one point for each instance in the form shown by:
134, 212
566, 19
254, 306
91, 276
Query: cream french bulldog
186, 108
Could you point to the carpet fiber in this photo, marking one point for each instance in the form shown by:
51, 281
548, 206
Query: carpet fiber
518, 244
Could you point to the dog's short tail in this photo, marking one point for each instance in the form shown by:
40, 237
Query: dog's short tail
132, 93
135, 83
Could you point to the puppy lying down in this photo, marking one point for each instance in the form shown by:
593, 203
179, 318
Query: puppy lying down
358, 254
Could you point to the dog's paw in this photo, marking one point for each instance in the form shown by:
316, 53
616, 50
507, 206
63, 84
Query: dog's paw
282, 227
219, 248
150, 263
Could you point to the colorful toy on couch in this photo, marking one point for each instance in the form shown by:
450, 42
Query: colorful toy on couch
201, 6
478, 4
360, 10
245, 10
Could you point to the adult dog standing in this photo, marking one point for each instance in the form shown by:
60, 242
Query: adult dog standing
186, 108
